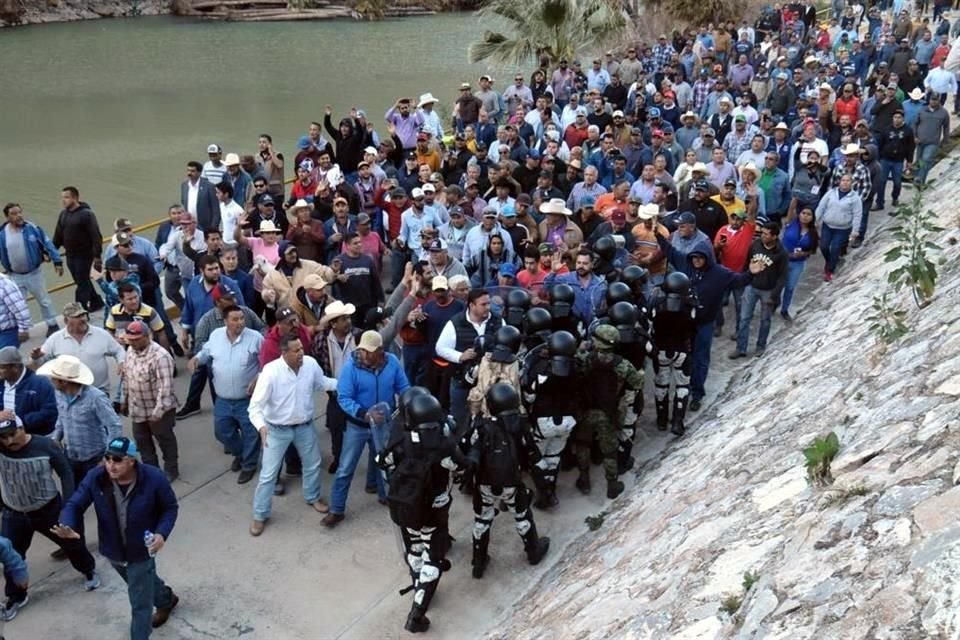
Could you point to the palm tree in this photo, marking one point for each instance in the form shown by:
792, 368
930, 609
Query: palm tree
555, 28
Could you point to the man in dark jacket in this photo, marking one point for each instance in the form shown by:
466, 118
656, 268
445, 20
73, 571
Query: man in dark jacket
769, 276
136, 511
709, 281
34, 400
897, 145
710, 215
351, 138
77, 231
198, 197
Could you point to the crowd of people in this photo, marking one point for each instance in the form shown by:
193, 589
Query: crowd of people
476, 298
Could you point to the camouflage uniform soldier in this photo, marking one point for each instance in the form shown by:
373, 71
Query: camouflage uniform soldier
606, 378
498, 365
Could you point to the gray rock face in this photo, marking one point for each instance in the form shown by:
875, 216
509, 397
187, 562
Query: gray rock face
876, 555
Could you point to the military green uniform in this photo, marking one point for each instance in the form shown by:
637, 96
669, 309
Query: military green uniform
605, 377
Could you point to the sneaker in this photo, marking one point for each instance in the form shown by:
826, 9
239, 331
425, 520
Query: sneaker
856, 243
92, 582
827, 276
736, 355
11, 607
186, 412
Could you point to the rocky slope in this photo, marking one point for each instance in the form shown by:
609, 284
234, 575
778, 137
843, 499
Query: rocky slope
14, 12
875, 555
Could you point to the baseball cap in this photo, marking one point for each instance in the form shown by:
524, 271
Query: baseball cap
489, 212
122, 238
266, 199
223, 290
74, 310
370, 341
136, 329
285, 313
508, 270
122, 447
116, 263
544, 249
653, 112
618, 216
729, 182
314, 281
363, 218
587, 201
439, 244
215, 148
508, 211
740, 118
9, 426
122, 224
701, 185
428, 188
416, 193
533, 153
439, 283
687, 217
370, 150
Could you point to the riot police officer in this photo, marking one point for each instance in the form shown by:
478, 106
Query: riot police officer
674, 325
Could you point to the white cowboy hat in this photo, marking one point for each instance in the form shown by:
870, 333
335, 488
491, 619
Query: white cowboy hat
67, 368
916, 94
752, 168
426, 98
851, 149
337, 309
300, 204
557, 206
698, 166
648, 211
267, 226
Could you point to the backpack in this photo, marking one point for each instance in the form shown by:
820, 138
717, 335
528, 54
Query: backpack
409, 496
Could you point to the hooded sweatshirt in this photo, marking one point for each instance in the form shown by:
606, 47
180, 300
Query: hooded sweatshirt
77, 231
840, 211
710, 283
678, 248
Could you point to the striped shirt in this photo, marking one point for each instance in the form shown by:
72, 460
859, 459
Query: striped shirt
14, 313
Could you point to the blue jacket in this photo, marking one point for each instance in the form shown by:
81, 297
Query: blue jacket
777, 195
36, 404
12, 562
710, 283
359, 388
152, 506
38, 245
197, 300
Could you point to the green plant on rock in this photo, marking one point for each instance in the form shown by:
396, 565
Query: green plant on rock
819, 456
731, 604
887, 320
916, 269
749, 579
595, 522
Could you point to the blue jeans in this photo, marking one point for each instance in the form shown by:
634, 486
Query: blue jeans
355, 438
304, 438
831, 240
702, 342
415, 358
890, 169
458, 403
926, 154
751, 297
232, 427
146, 590
794, 271
33, 283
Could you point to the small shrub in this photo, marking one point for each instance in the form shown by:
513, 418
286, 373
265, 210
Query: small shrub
820, 455
915, 269
731, 604
749, 579
888, 321
595, 522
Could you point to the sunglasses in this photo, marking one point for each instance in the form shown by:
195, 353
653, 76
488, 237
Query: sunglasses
110, 458
260, 186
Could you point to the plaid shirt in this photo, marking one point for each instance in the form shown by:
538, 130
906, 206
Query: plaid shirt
148, 381
861, 179
14, 313
662, 54
649, 64
701, 89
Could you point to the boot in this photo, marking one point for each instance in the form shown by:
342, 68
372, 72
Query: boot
583, 481
614, 488
546, 498
625, 461
679, 412
417, 621
663, 414
535, 546
480, 557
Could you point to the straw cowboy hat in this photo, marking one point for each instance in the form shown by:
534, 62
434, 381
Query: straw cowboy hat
292, 211
556, 206
648, 211
752, 168
267, 226
851, 149
426, 98
67, 368
337, 309
916, 94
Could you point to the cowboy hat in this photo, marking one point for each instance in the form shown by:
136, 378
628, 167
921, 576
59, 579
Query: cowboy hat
337, 309
67, 368
851, 149
267, 226
300, 204
916, 94
648, 211
557, 206
752, 168
426, 98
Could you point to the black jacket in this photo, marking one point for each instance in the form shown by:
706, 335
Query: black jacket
897, 144
77, 231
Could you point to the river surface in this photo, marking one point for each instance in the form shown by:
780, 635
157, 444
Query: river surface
117, 107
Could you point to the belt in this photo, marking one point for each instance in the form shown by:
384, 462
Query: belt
289, 426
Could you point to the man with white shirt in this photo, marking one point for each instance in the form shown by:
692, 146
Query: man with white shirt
431, 119
282, 410
230, 211
214, 169
198, 198
172, 251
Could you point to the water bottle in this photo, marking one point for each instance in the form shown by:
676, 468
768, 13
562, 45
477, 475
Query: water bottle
147, 541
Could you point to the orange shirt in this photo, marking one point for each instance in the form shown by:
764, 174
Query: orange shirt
646, 250
430, 158
605, 205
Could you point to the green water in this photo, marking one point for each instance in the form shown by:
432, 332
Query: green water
117, 107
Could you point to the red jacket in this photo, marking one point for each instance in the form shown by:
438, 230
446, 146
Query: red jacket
270, 349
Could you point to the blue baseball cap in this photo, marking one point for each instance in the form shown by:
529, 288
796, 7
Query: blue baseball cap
587, 201
123, 447
304, 143
508, 211
508, 270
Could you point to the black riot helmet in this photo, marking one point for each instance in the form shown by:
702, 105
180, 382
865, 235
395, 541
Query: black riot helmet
537, 322
424, 409
506, 344
518, 301
562, 346
605, 247
677, 287
561, 300
623, 316
635, 277
407, 397
503, 399
618, 292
